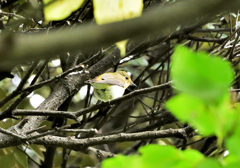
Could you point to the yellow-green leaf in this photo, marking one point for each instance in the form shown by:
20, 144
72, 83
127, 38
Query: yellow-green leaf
60, 9
107, 11
122, 47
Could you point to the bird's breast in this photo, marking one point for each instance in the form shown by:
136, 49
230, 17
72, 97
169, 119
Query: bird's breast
116, 91
109, 93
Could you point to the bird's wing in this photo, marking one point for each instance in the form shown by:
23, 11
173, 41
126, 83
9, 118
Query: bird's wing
108, 79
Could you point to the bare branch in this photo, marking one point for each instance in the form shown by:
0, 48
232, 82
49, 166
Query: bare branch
43, 46
78, 144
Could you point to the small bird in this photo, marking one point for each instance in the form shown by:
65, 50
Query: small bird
111, 85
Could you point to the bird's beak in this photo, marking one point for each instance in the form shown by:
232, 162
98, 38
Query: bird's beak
133, 84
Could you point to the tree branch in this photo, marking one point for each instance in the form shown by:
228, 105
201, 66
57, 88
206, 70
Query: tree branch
75, 115
78, 144
161, 20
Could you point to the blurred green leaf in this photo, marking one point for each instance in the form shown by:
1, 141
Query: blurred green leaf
232, 161
191, 109
2, 94
192, 156
159, 156
201, 75
7, 160
13, 157
107, 11
209, 119
208, 162
153, 156
21, 158
6, 123
232, 142
122, 161
60, 9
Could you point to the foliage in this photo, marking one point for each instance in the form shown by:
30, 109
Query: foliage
58, 10
194, 75
203, 82
183, 112
107, 11
157, 156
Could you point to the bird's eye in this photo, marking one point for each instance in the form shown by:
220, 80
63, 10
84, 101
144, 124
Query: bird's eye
126, 77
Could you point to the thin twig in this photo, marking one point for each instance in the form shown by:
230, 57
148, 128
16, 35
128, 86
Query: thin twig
11, 133
125, 97
78, 144
65, 114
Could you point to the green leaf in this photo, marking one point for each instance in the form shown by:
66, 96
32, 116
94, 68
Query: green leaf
153, 156
60, 9
209, 119
232, 161
192, 156
122, 161
7, 123
208, 162
232, 142
107, 11
159, 156
201, 75
21, 158
204, 99
2, 94
7, 160
191, 109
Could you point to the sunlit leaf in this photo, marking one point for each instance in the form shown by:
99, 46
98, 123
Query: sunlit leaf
206, 77
122, 161
232, 142
122, 47
209, 119
153, 156
107, 11
232, 160
208, 162
192, 156
160, 156
60, 9
193, 110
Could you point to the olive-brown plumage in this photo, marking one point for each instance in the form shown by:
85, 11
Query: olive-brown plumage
109, 86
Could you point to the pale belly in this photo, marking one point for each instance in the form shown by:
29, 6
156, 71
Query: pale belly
112, 92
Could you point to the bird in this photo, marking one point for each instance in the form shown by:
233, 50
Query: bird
111, 85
